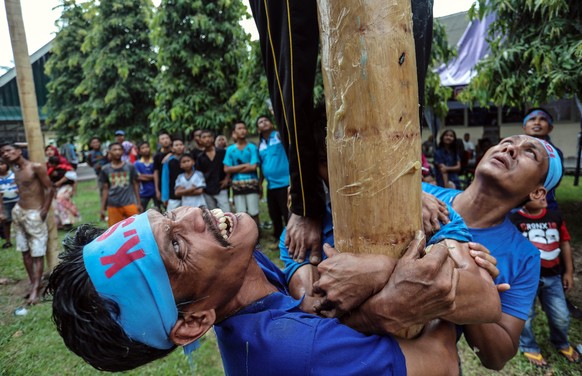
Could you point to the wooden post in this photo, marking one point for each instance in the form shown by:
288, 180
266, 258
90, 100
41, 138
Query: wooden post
373, 136
29, 107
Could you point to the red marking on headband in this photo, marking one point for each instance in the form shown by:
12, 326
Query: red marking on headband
121, 258
112, 229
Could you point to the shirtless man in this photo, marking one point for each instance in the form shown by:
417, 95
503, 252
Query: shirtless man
29, 214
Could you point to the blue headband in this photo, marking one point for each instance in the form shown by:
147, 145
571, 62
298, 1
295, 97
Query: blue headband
125, 265
554, 165
536, 113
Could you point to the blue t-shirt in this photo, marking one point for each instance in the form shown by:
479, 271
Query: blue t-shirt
9, 188
455, 229
274, 162
449, 159
518, 260
234, 157
298, 343
147, 189
243, 182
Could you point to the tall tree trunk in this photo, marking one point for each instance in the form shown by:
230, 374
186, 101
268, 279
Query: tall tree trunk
29, 106
373, 135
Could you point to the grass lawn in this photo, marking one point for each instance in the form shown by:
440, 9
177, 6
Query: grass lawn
30, 345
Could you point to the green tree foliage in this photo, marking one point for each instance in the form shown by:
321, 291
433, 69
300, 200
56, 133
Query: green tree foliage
536, 50
436, 96
251, 98
65, 69
201, 49
119, 70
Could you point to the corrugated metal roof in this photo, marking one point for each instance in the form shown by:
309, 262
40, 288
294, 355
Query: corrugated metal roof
9, 100
11, 73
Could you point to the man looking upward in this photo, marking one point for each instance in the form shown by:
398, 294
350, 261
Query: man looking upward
241, 161
132, 294
210, 163
539, 123
274, 168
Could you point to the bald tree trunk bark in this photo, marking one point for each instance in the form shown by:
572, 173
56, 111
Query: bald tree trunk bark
373, 136
29, 106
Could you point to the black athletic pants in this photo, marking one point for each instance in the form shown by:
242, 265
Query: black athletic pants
277, 204
289, 38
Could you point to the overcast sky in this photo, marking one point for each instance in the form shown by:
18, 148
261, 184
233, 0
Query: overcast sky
39, 18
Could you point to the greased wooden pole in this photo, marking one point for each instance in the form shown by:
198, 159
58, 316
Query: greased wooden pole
373, 136
29, 106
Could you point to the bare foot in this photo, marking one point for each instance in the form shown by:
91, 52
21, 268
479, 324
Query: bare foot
33, 297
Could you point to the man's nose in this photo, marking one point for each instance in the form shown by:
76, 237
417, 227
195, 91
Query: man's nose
510, 149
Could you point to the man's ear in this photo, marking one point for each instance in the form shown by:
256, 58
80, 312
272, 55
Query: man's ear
192, 326
538, 193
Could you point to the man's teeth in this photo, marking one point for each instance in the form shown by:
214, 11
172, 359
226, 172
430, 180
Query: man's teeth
224, 224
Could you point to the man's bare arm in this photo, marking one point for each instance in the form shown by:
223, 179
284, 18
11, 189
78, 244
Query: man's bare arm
419, 290
136, 193
249, 167
477, 299
235, 169
495, 344
145, 177
434, 352
157, 184
104, 194
47, 185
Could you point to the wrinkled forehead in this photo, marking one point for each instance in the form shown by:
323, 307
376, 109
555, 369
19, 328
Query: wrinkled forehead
522, 139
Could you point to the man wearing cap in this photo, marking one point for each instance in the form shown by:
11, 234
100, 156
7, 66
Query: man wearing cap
126, 145
539, 123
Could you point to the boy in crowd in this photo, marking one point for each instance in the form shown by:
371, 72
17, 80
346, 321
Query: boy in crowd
120, 197
274, 168
165, 142
539, 123
170, 171
29, 214
70, 153
546, 229
96, 158
197, 146
211, 164
9, 194
145, 174
190, 184
125, 145
242, 160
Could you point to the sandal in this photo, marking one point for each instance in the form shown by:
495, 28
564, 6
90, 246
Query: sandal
570, 354
536, 359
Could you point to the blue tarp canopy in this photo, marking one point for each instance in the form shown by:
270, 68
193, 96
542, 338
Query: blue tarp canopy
472, 48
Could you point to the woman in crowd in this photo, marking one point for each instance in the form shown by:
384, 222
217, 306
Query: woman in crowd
220, 142
52, 151
64, 179
446, 161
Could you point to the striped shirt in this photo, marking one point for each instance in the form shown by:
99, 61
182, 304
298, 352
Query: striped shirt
8, 188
